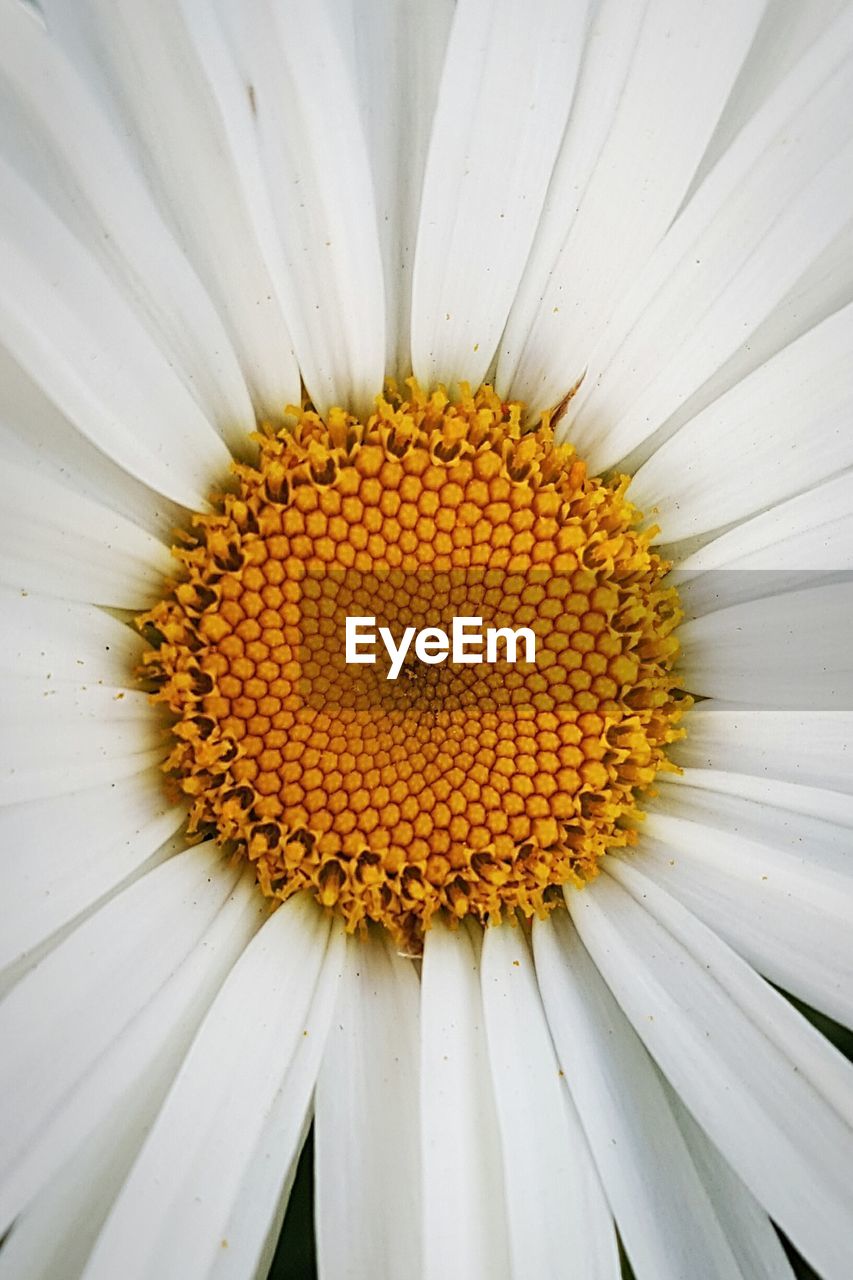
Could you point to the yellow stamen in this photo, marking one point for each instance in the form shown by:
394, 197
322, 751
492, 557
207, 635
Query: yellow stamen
475, 788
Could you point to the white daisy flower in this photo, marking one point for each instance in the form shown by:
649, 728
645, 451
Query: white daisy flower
519, 974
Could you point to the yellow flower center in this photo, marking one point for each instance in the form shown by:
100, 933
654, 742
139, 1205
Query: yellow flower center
474, 786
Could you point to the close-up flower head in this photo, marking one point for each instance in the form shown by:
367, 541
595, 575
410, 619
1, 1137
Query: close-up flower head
426, 680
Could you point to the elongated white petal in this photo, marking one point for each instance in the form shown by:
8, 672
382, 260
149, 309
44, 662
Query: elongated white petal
548, 1170
749, 1231
775, 434
611, 55
171, 1212
813, 748
773, 1095
773, 204
765, 805
316, 162
367, 1130
771, 817
100, 767
52, 1239
723, 589
53, 129
653, 80
193, 138
81, 1025
464, 1213
665, 1216
494, 141
60, 544
788, 914
57, 737
811, 532
65, 322
18, 968
35, 703
789, 650
825, 287
61, 640
60, 856
398, 49
783, 35
38, 437
254, 1224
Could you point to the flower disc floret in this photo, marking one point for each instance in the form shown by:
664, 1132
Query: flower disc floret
477, 788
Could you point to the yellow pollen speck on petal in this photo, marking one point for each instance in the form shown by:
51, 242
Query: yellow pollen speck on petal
477, 788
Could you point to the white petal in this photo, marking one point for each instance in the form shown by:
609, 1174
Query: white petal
665, 1216
464, 1213
57, 737
316, 163
61, 544
825, 287
789, 650
193, 138
172, 1211
38, 437
53, 130
366, 1128
254, 1225
85, 1023
722, 589
777, 433
67, 325
61, 856
783, 35
100, 766
20, 967
773, 1095
494, 141
398, 50
60, 640
774, 203
653, 81
748, 1229
53, 1237
770, 818
788, 914
551, 1181
813, 748
788, 797
33, 703
811, 532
